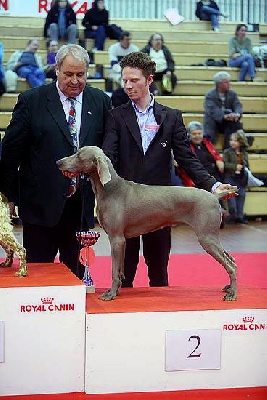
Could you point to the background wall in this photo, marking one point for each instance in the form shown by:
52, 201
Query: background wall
249, 11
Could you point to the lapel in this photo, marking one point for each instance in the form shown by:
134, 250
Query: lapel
56, 110
89, 113
129, 117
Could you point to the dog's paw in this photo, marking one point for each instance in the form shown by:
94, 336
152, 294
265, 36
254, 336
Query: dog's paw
21, 272
108, 295
230, 296
227, 289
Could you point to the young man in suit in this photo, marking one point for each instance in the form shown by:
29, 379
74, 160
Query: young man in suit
140, 137
38, 135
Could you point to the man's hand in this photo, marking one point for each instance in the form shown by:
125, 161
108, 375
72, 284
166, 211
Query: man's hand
228, 190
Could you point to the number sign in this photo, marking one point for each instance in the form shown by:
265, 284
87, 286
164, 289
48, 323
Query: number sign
193, 349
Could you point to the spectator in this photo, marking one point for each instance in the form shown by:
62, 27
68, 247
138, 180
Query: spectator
2, 72
161, 55
139, 140
235, 162
119, 97
222, 110
61, 22
49, 68
241, 56
205, 152
95, 21
209, 11
38, 135
116, 52
25, 64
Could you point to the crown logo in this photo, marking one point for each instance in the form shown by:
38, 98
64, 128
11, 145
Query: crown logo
248, 319
47, 300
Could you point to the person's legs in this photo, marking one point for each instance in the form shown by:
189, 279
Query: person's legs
156, 249
240, 201
40, 243
69, 224
36, 77
24, 71
53, 31
131, 260
100, 37
72, 34
214, 22
240, 62
251, 66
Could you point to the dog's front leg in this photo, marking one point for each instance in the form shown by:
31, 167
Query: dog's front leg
117, 254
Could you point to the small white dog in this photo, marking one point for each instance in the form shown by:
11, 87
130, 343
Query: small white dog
8, 240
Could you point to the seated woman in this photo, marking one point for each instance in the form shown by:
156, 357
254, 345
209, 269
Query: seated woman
241, 56
61, 22
95, 21
163, 58
205, 152
209, 11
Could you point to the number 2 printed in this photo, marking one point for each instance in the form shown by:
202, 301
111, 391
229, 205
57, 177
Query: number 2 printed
193, 354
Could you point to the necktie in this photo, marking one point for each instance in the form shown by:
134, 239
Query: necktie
74, 136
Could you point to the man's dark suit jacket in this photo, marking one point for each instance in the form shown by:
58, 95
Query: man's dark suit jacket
38, 136
123, 145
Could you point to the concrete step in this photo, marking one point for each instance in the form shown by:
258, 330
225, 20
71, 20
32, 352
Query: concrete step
198, 87
256, 105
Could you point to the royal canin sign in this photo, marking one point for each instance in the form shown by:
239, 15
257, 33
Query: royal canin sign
47, 304
247, 324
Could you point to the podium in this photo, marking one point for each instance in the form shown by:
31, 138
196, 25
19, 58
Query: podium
42, 321
165, 339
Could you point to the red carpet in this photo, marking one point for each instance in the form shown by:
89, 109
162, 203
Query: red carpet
193, 270
259, 393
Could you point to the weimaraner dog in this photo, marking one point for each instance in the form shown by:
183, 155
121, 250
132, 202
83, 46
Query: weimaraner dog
123, 211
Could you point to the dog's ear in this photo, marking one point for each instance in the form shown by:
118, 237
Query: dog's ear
102, 169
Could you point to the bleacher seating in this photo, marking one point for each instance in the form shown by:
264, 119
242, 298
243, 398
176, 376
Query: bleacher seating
192, 43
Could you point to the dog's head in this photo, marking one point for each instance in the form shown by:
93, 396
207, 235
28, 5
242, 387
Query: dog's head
86, 161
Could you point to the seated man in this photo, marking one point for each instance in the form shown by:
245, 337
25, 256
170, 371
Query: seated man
49, 68
26, 64
116, 52
222, 110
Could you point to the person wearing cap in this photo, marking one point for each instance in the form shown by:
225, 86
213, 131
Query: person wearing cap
222, 110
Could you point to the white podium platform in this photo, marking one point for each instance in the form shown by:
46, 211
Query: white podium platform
42, 331
165, 339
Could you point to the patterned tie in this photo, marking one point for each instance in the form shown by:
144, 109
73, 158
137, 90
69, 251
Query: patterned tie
74, 137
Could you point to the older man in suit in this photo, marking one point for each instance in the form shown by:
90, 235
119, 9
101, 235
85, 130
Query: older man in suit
48, 123
223, 110
139, 140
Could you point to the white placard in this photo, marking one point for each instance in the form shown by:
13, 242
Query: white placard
193, 349
2, 341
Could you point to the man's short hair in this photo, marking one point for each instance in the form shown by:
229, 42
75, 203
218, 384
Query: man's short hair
140, 61
221, 76
125, 34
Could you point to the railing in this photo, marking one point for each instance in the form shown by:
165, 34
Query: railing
248, 11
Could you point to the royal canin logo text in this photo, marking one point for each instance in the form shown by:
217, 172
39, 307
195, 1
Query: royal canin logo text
47, 305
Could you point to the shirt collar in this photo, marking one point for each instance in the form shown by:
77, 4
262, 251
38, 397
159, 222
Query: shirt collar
64, 98
151, 105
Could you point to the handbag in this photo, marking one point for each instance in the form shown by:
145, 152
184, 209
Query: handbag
252, 180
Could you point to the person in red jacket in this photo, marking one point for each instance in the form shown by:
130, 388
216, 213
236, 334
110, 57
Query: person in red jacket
205, 152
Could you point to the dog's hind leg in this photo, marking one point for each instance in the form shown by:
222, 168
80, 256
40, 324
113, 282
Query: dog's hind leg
21, 252
212, 245
117, 254
9, 255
